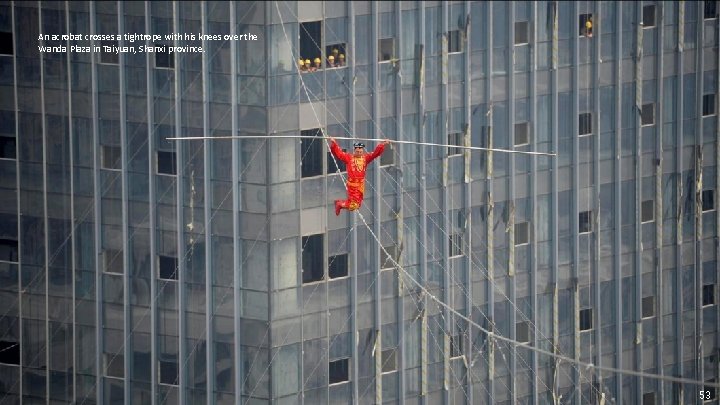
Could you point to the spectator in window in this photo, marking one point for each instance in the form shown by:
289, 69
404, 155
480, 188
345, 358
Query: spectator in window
308, 66
301, 65
318, 64
588, 28
335, 53
341, 60
331, 61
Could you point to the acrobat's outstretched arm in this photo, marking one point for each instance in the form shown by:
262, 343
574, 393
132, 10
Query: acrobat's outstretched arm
337, 152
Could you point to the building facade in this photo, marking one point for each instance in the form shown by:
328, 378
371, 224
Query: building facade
138, 269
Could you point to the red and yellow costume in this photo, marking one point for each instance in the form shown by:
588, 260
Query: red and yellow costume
356, 167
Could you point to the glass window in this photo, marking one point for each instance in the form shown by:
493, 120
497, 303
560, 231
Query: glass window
585, 124
6, 43
455, 138
8, 250
586, 319
521, 32
168, 372
338, 371
522, 233
334, 164
586, 25
522, 332
708, 105
647, 114
311, 153
648, 307
585, 222
108, 54
114, 365
166, 163
647, 211
710, 9
9, 352
310, 40
389, 360
111, 156
8, 147
708, 393
708, 200
167, 267
163, 58
388, 257
649, 398
456, 248
648, 16
113, 260
312, 258
386, 49
708, 294
455, 41
338, 266
522, 134
456, 346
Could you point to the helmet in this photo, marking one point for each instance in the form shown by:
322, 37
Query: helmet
359, 145
307, 61
317, 60
301, 62
335, 51
588, 24
342, 56
331, 58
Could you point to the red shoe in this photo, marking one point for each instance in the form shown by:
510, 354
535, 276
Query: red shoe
337, 207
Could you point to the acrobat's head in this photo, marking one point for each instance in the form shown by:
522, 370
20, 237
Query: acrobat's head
358, 149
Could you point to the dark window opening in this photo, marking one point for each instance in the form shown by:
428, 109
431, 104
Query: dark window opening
107, 53
9, 352
168, 372
586, 319
310, 40
338, 371
456, 346
647, 114
8, 147
114, 365
388, 156
648, 398
522, 32
166, 163
334, 164
708, 294
710, 9
522, 332
708, 200
585, 124
586, 25
311, 150
113, 261
164, 59
522, 133
111, 157
388, 260
335, 55
648, 16
454, 41
585, 222
522, 233
386, 49
8, 250
709, 392
389, 361
708, 105
338, 266
312, 258
6, 43
455, 138
168, 268
648, 307
456, 247
647, 211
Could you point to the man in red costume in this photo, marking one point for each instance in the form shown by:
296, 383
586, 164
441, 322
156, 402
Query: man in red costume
356, 165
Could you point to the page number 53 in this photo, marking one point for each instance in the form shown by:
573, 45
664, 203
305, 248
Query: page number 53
706, 395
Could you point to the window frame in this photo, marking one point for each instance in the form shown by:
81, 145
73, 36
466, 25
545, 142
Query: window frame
160, 367
582, 19
115, 58
714, 106
380, 47
705, 3
170, 57
10, 244
7, 348
525, 125
589, 117
157, 163
342, 51
450, 41
589, 214
384, 258
11, 42
455, 138
643, 205
456, 239
304, 32
652, 307
111, 358
114, 253
527, 233
305, 149
528, 332
392, 352
456, 341
3, 137
104, 154
332, 259
711, 289
654, 16
527, 33
708, 192
646, 401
